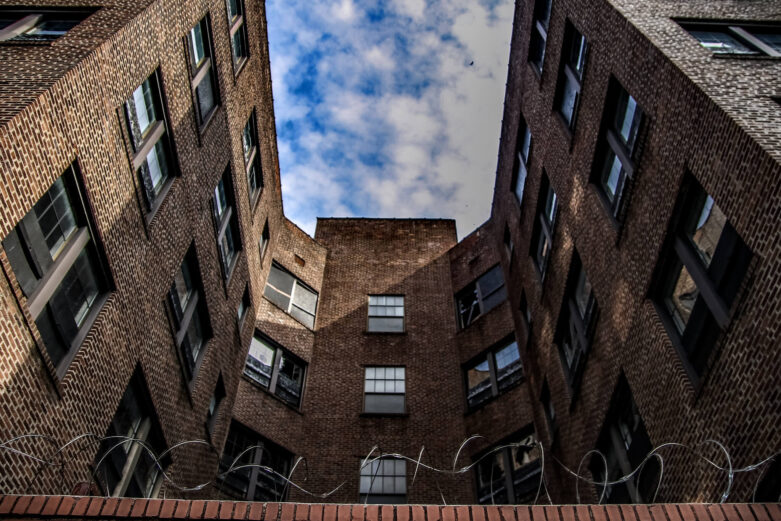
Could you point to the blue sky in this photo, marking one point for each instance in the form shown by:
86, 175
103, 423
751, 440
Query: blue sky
388, 108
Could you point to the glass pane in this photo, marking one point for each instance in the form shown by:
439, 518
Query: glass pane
627, 119
305, 299
237, 45
204, 92
194, 336
220, 201
260, 362
680, 301
248, 139
182, 287
384, 403
706, 231
611, 175
302, 316
721, 42
373, 300
550, 206
379, 372
478, 380
366, 482
370, 373
379, 386
233, 9
578, 53
154, 171
494, 299
281, 280
583, 293
55, 216
569, 96
771, 39
491, 281
386, 325
543, 250
197, 45
537, 48
141, 108
508, 360
290, 380
47, 30
369, 387
526, 143
400, 372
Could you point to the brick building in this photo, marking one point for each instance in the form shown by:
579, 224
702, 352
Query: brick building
623, 293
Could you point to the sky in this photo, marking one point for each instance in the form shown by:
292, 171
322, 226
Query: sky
388, 108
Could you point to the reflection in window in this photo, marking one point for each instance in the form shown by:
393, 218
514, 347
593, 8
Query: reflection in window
492, 373
273, 368
481, 296
511, 474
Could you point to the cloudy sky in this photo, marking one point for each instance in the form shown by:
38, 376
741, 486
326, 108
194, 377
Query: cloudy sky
388, 108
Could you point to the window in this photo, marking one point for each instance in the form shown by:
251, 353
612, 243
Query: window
214, 405
522, 153
244, 304
769, 488
276, 370
38, 25
699, 275
384, 390
524, 308
292, 295
266, 466
492, 373
249, 140
190, 317
571, 74
226, 224
625, 443
202, 70
549, 411
540, 22
544, 226
150, 136
238, 33
733, 39
508, 243
577, 321
384, 481
481, 296
616, 161
60, 267
265, 237
123, 464
386, 313
510, 475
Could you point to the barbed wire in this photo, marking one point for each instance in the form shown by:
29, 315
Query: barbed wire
58, 461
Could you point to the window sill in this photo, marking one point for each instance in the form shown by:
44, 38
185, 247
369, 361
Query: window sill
65, 363
254, 199
265, 391
153, 210
238, 67
204, 126
365, 414
729, 56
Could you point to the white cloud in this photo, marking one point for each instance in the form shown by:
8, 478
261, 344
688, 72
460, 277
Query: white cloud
344, 11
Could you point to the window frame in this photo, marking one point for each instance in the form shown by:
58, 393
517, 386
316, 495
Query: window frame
296, 282
158, 132
544, 227
369, 316
204, 71
403, 410
40, 276
224, 221
568, 71
743, 32
719, 284
489, 355
245, 304
541, 17
238, 24
252, 160
522, 161
480, 298
527, 471
279, 354
30, 19
195, 306
372, 498
263, 242
611, 143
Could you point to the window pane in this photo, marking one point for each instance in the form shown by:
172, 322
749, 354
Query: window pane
569, 96
491, 281
627, 119
303, 316
154, 171
551, 203
47, 30
281, 280
771, 39
386, 325
680, 301
248, 139
220, 201
197, 45
237, 45
290, 381
526, 143
400, 372
141, 109
611, 175
260, 362
508, 366
204, 93
233, 9
182, 288
478, 384
721, 42
55, 216
384, 403
494, 299
370, 373
305, 299
583, 293
706, 231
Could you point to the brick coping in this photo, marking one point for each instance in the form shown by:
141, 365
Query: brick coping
84, 507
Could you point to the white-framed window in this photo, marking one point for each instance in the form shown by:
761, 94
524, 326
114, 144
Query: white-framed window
293, 296
384, 390
273, 368
203, 74
384, 481
386, 313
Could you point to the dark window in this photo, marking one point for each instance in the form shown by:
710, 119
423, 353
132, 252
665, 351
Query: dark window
214, 405
510, 475
59, 267
244, 304
384, 481
150, 136
624, 443
265, 237
549, 411
38, 25
701, 270
384, 390
481, 296
570, 81
274, 368
522, 154
123, 464
577, 321
735, 39
190, 316
386, 313
544, 225
492, 373
238, 33
615, 164
508, 243
540, 22
249, 140
226, 223
769, 488
524, 308
202, 70
266, 466
292, 295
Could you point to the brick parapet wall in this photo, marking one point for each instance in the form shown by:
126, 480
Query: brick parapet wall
75, 507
